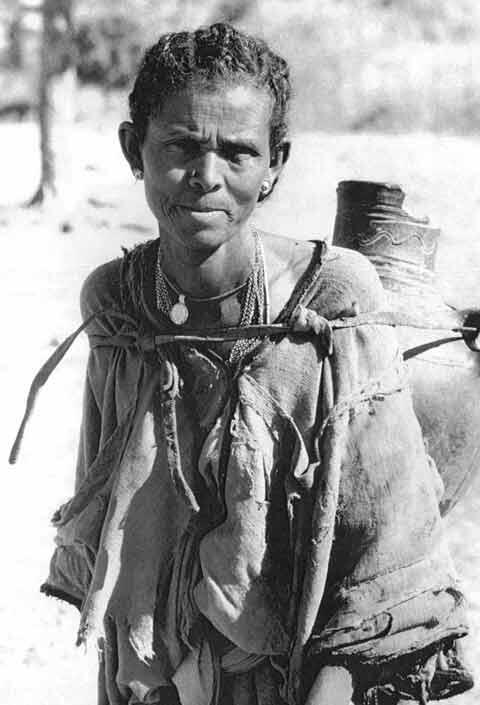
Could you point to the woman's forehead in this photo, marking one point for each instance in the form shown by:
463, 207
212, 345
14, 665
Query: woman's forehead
241, 107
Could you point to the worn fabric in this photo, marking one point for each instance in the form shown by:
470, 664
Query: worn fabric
233, 526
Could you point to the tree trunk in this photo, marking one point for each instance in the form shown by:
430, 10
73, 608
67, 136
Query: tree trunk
54, 101
15, 48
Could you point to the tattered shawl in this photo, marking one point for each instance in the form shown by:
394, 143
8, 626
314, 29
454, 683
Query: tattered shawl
279, 513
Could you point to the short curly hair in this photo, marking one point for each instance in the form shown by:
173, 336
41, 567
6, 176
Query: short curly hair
208, 56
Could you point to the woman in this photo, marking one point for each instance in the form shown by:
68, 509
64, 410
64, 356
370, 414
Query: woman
255, 519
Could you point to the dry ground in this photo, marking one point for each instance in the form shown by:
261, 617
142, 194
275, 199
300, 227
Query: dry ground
42, 268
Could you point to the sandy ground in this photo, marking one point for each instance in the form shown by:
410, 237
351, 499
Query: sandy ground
41, 270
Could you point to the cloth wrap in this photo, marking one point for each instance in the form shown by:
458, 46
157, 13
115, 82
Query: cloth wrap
227, 530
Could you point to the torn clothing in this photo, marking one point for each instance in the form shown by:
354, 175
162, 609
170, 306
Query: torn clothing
235, 525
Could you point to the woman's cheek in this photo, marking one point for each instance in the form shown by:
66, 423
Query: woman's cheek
246, 188
164, 187
158, 201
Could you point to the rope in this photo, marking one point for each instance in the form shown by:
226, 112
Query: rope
219, 335
151, 343
48, 367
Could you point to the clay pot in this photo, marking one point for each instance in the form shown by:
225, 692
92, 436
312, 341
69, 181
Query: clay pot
445, 380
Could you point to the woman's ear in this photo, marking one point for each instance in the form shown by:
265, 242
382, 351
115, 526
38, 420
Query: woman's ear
283, 152
278, 160
130, 145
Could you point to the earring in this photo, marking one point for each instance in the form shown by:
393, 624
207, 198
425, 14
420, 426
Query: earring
265, 187
137, 174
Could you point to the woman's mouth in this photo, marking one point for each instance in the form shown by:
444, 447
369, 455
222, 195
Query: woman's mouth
201, 212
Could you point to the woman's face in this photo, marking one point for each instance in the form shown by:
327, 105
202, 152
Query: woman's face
204, 160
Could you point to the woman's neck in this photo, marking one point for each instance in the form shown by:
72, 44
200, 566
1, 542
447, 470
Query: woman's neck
210, 273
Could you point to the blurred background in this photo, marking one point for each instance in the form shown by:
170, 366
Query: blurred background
387, 90
393, 65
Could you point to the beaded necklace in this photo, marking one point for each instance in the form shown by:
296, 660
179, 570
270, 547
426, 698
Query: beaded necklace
254, 305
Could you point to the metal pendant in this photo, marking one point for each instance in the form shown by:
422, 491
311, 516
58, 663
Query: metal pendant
179, 311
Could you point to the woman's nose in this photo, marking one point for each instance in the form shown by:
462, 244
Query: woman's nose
205, 174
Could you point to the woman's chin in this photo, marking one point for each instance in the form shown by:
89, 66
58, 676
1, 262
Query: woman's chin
203, 233
205, 239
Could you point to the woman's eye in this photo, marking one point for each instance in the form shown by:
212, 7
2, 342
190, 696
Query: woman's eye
188, 148
237, 155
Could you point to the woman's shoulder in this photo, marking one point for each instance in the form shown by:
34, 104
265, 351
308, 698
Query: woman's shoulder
346, 278
338, 263
345, 265
333, 278
112, 285
287, 249
102, 288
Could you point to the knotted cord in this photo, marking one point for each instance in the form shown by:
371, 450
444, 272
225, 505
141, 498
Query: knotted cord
149, 343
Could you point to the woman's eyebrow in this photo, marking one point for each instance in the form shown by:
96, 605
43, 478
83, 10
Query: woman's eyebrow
170, 130
238, 142
191, 133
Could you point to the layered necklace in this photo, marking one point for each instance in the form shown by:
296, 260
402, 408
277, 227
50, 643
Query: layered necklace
254, 304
